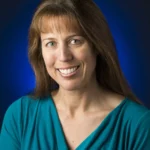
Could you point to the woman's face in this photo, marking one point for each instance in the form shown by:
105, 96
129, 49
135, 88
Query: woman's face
68, 56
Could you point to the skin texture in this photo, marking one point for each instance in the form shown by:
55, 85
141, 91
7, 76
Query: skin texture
81, 103
65, 49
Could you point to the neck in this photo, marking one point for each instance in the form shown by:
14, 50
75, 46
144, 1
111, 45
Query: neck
79, 101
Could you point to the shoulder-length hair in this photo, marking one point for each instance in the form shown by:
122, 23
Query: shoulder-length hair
94, 26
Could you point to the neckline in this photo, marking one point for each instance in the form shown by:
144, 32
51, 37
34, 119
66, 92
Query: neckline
61, 133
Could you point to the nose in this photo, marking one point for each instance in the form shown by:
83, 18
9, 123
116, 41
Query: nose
65, 53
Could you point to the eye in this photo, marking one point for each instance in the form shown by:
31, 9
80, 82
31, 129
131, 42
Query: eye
75, 41
50, 44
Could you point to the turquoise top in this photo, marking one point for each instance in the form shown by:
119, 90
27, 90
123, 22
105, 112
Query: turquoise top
34, 125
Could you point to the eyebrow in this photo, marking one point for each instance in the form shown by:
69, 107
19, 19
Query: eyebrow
48, 39
51, 38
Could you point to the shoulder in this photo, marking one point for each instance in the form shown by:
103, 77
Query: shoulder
13, 122
137, 121
136, 113
25, 102
135, 110
16, 120
21, 104
23, 107
23, 110
139, 112
16, 109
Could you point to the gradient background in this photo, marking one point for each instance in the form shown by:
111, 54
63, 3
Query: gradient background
129, 21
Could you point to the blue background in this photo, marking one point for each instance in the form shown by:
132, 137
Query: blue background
129, 21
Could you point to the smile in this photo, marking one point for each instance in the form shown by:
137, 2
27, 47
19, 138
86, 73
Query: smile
68, 71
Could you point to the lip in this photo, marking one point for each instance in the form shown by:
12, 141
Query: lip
71, 74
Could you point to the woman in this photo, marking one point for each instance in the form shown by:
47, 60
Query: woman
81, 100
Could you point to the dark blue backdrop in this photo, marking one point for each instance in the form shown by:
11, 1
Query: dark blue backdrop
129, 21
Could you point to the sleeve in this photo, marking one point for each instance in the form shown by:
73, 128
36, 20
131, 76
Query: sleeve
10, 133
141, 139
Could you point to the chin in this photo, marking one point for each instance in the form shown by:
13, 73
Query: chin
70, 87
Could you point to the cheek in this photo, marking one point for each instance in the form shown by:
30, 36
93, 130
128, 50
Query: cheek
90, 61
49, 59
87, 56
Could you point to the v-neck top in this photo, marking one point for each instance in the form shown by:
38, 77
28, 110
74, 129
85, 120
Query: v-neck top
35, 125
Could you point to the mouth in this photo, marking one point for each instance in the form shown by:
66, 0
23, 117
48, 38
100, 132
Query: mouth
68, 71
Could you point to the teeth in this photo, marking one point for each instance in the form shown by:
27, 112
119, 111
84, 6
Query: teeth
68, 71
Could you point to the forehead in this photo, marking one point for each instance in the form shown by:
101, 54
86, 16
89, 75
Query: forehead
52, 24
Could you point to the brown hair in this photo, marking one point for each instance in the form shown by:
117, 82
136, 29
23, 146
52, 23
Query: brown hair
95, 28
